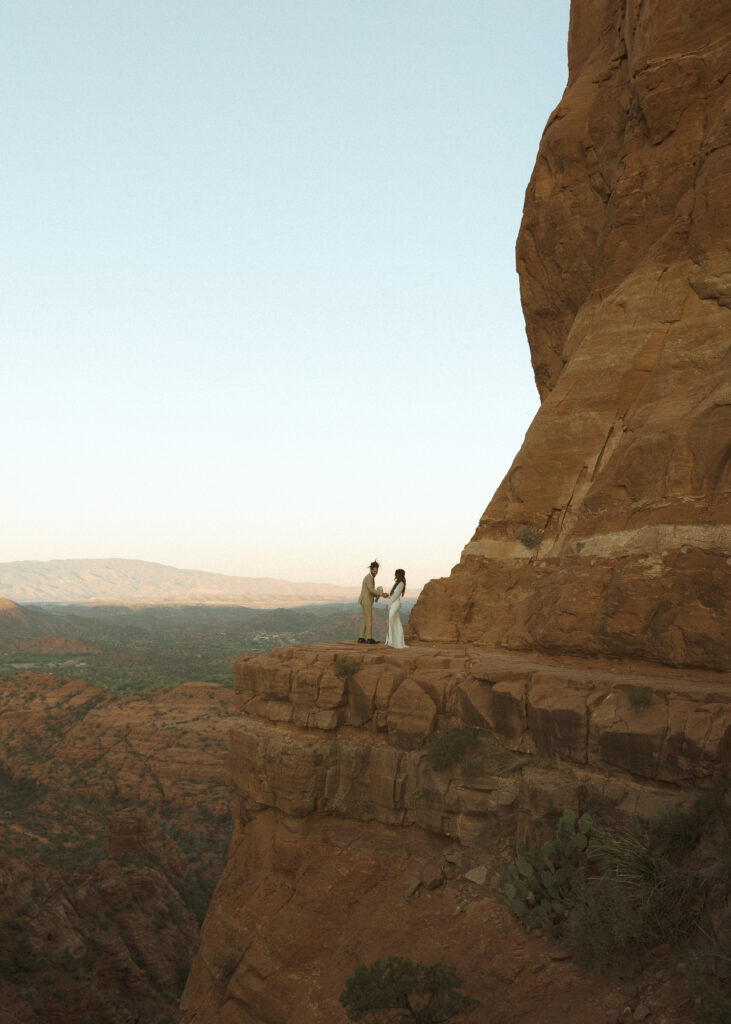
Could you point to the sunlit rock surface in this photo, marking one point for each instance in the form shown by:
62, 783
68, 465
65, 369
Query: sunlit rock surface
625, 269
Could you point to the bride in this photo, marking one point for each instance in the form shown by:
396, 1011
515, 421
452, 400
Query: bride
394, 629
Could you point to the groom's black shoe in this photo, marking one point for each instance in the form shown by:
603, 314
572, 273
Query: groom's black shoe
371, 641
361, 640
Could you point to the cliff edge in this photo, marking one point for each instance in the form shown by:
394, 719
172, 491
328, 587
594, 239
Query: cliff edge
351, 844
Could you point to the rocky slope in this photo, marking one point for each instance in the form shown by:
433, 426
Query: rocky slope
115, 818
611, 532
350, 845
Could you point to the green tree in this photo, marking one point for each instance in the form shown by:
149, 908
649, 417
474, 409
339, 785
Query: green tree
425, 993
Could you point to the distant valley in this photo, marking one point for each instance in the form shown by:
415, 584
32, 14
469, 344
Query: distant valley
114, 808
131, 581
129, 649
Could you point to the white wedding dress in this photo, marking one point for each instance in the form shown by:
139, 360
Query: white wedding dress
394, 629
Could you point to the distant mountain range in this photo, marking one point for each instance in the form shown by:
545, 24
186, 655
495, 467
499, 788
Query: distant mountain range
133, 582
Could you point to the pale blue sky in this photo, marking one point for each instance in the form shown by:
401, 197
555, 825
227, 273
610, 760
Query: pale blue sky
260, 313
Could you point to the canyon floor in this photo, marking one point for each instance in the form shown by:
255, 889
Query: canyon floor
115, 821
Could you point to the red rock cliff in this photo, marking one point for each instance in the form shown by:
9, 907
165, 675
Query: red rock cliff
625, 272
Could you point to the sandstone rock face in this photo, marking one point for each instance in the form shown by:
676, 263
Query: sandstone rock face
624, 478
608, 539
648, 724
303, 901
351, 845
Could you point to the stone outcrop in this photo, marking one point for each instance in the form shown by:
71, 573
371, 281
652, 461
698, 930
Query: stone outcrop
304, 900
342, 818
611, 532
311, 741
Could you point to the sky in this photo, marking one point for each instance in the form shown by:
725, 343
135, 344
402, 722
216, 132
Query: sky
260, 313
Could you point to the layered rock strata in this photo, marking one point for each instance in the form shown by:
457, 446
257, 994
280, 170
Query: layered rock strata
336, 798
611, 532
311, 742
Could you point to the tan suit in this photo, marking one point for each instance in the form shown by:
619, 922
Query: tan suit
369, 593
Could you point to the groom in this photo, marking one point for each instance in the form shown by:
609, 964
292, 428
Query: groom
369, 593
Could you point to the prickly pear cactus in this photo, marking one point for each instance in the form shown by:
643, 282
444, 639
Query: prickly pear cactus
541, 883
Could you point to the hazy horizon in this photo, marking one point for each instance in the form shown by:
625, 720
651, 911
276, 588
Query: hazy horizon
383, 577
261, 315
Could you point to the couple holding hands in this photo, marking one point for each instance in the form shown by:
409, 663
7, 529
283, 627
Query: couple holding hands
369, 593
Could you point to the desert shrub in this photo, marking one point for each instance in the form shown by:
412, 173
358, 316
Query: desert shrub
451, 746
639, 899
541, 884
710, 971
529, 536
654, 867
614, 893
423, 993
639, 697
615, 944
678, 829
345, 669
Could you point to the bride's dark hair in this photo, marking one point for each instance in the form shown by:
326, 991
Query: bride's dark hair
400, 578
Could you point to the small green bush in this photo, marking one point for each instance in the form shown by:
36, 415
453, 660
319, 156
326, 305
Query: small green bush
424, 993
678, 829
451, 746
604, 926
529, 536
345, 669
639, 697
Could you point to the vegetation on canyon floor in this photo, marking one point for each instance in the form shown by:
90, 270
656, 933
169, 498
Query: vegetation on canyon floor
612, 894
76, 771
414, 992
131, 649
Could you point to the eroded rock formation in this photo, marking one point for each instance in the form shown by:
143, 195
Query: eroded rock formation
608, 537
351, 845
625, 269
